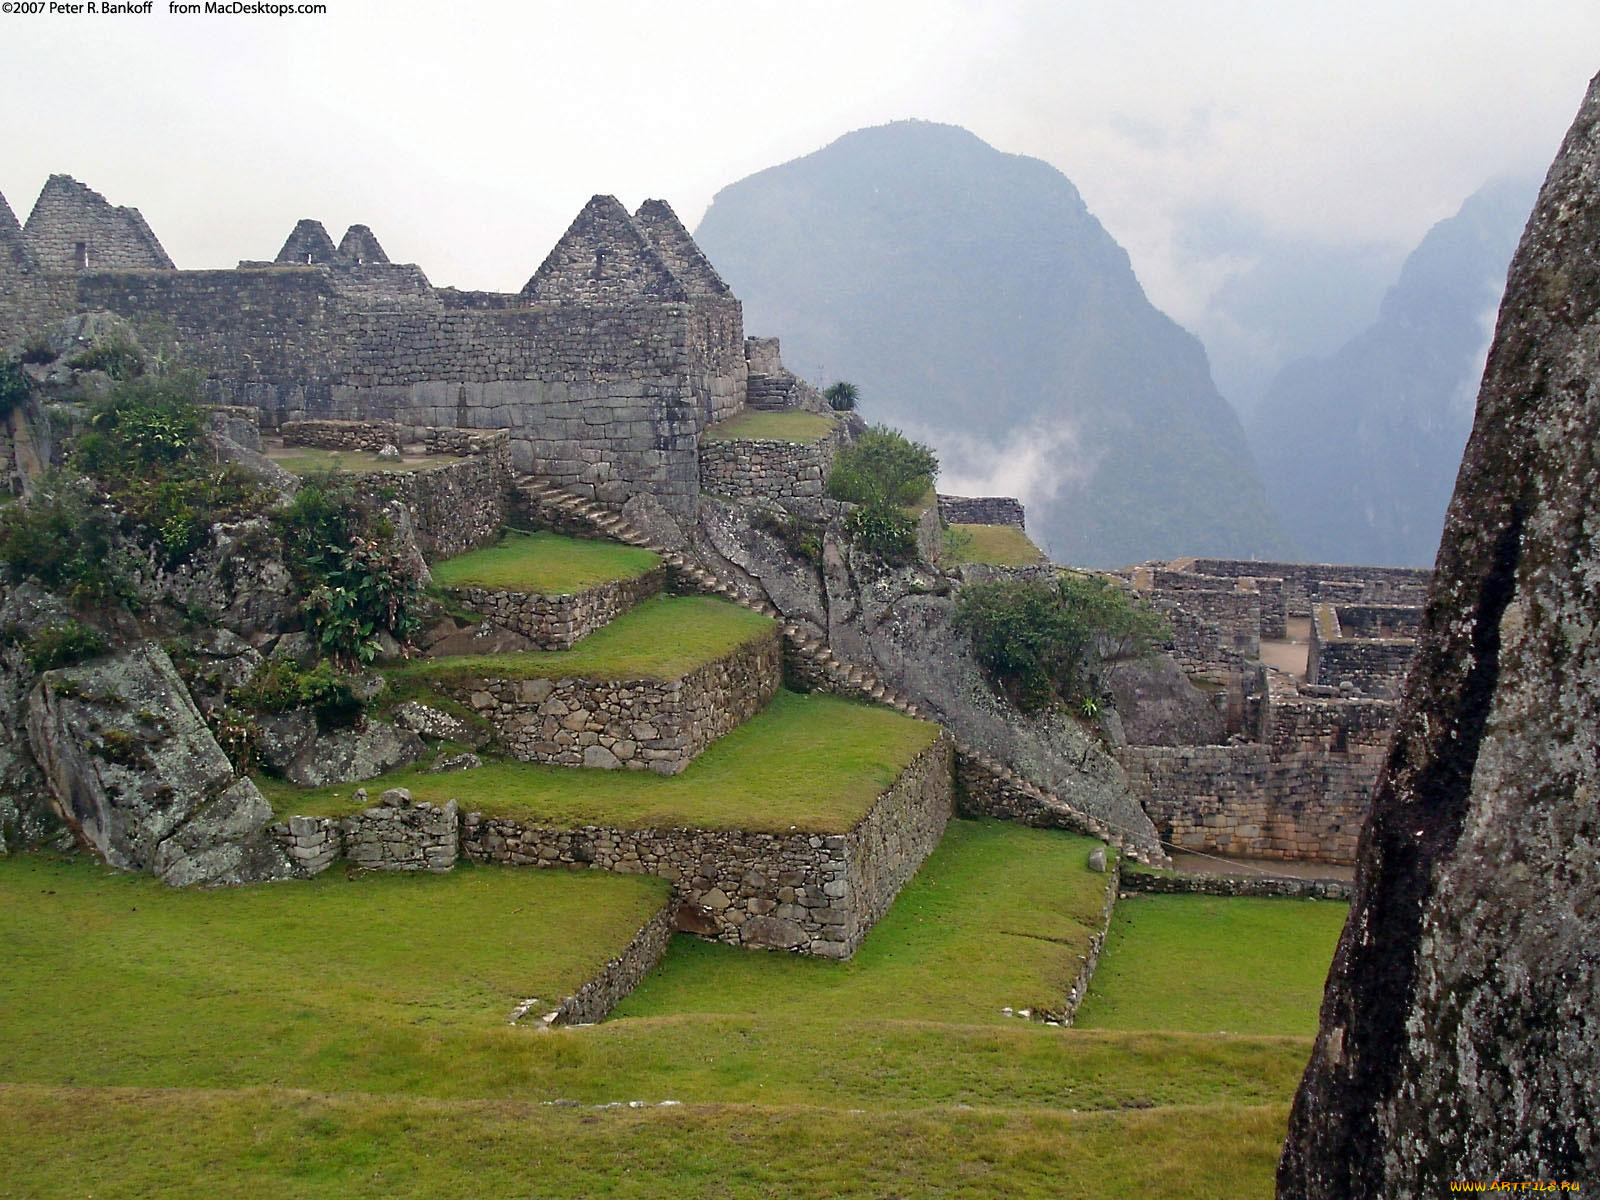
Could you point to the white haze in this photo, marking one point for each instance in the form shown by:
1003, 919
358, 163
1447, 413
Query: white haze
468, 134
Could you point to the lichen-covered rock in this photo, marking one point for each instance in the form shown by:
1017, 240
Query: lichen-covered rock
900, 623
137, 775
430, 722
26, 816
346, 755
1460, 1032
1157, 705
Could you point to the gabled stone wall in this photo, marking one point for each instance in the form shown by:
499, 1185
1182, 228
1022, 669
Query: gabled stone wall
69, 216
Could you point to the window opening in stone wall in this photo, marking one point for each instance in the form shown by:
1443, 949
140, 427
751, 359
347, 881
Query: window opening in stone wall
599, 263
80, 255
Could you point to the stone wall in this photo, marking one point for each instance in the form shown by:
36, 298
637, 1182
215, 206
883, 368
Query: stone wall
555, 622
809, 893
73, 228
1246, 799
595, 999
762, 469
1379, 620
981, 510
1291, 718
398, 835
640, 724
1380, 585
1276, 886
454, 507
1211, 628
345, 435
981, 793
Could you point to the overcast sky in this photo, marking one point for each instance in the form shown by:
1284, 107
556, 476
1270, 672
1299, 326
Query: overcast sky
468, 134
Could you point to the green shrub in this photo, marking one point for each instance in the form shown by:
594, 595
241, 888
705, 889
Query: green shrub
884, 530
117, 357
64, 645
281, 685
842, 396
14, 387
354, 585
36, 350
883, 466
1041, 642
146, 447
801, 537
64, 537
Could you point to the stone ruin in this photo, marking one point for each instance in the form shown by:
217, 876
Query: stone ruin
1285, 768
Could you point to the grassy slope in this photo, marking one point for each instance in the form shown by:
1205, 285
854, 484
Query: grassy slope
997, 916
546, 563
997, 545
115, 1145
663, 638
771, 1087
756, 425
1208, 964
747, 779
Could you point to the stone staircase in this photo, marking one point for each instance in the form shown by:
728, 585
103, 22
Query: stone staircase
561, 506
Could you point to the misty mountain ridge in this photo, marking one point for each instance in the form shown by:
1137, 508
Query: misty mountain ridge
1359, 449
981, 307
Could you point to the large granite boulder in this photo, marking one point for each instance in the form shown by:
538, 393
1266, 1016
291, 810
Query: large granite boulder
137, 775
900, 623
1460, 1035
26, 816
348, 755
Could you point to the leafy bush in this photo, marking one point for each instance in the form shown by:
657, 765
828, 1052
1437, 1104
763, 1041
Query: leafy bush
36, 350
885, 530
64, 537
1042, 642
63, 645
118, 358
801, 537
354, 586
842, 396
14, 387
883, 466
282, 685
146, 447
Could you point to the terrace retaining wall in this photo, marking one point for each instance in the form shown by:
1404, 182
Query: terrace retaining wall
598, 996
556, 622
639, 724
762, 469
809, 893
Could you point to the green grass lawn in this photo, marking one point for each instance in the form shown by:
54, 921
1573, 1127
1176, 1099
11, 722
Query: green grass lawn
348, 1038
115, 977
786, 426
998, 916
814, 763
117, 1145
664, 638
545, 563
997, 545
313, 460
1214, 964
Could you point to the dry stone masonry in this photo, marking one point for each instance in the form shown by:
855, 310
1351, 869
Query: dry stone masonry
768, 469
555, 622
640, 724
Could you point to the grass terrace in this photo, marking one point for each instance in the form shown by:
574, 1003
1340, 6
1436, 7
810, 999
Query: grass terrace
759, 426
996, 545
1210, 964
814, 763
664, 638
313, 460
998, 916
544, 563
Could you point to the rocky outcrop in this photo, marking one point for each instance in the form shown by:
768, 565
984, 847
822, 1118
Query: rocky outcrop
137, 775
1460, 1032
26, 816
347, 755
900, 623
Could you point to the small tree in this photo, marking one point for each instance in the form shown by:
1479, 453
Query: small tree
883, 466
1040, 643
842, 396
